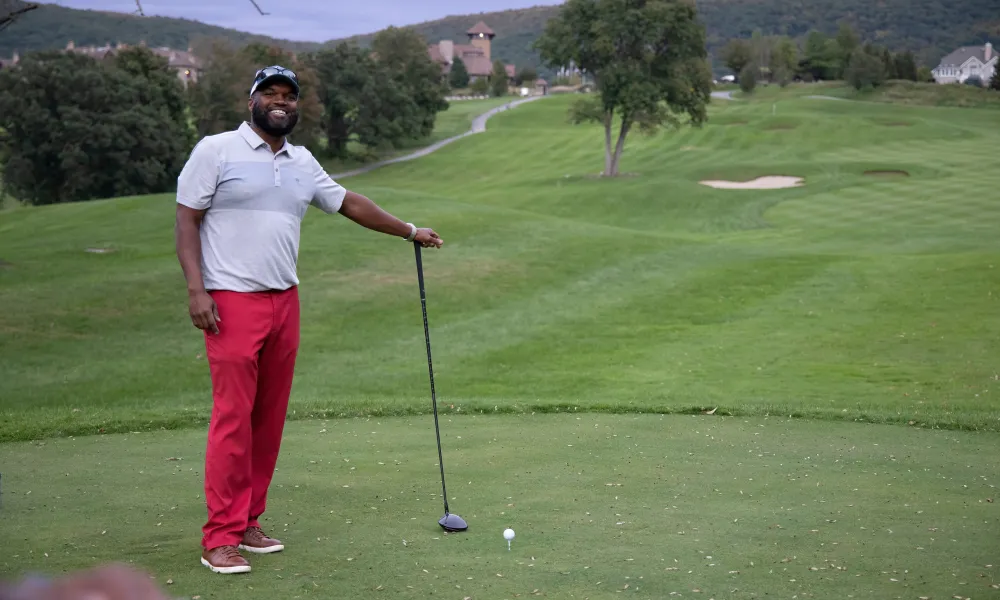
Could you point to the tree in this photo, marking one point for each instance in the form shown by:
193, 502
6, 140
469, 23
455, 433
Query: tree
864, 70
995, 81
403, 53
498, 79
345, 73
79, 129
526, 76
459, 76
379, 99
847, 41
748, 78
821, 59
736, 54
646, 57
165, 91
219, 99
784, 61
906, 66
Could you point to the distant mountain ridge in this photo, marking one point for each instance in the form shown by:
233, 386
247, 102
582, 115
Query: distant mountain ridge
51, 27
930, 28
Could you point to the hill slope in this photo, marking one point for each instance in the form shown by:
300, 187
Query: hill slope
930, 28
52, 27
852, 297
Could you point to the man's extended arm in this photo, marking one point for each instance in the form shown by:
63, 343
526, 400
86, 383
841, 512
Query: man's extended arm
366, 213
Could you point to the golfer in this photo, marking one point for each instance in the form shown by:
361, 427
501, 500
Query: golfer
241, 198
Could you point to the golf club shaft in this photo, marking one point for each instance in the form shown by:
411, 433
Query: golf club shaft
430, 369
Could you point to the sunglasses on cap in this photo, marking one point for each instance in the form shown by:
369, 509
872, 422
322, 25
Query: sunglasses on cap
274, 72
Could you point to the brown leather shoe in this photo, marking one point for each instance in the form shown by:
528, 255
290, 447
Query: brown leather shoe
255, 541
225, 559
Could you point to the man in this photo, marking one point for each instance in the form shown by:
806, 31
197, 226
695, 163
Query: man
241, 198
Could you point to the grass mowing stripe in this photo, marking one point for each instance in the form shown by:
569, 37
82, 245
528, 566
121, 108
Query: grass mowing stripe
587, 289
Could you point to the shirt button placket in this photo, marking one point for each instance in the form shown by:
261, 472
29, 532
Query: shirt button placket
277, 173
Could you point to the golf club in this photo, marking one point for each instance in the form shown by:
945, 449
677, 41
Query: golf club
449, 521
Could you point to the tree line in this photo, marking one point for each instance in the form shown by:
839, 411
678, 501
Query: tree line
74, 128
843, 56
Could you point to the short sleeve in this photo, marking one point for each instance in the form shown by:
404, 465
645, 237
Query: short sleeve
329, 195
198, 179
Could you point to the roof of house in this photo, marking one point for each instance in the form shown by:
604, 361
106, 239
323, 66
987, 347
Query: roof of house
434, 50
480, 27
963, 54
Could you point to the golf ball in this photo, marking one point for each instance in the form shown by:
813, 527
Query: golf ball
508, 534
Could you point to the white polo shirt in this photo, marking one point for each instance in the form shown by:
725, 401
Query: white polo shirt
256, 200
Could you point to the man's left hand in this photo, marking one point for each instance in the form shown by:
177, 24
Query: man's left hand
427, 238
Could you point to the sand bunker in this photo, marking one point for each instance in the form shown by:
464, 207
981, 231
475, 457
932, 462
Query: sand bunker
771, 182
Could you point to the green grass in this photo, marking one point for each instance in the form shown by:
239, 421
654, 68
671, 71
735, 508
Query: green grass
905, 93
602, 505
456, 120
931, 94
854, 297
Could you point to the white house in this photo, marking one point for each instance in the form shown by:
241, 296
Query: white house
966, 62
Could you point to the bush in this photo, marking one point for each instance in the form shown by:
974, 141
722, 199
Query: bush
748, 78
480, 86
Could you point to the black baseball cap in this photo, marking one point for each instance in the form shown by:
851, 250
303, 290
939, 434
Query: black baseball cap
274, 73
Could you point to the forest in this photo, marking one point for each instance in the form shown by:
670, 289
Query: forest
927, 28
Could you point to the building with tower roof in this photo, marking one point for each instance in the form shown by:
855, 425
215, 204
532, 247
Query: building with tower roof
476, 54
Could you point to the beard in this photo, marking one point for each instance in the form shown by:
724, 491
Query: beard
276, 126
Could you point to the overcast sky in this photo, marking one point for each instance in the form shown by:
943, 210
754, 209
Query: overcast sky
306, 20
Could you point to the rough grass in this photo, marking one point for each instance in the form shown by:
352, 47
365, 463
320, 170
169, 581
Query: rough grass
851, 298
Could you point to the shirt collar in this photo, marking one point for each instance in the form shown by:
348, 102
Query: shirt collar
255, 141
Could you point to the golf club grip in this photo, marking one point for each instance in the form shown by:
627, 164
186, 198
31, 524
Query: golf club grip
430, 368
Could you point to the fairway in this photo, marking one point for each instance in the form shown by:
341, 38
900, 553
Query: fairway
850, 297
841, 334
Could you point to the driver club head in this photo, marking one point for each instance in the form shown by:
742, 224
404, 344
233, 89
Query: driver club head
451, 522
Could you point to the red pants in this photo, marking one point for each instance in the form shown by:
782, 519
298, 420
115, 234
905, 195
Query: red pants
251, 360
